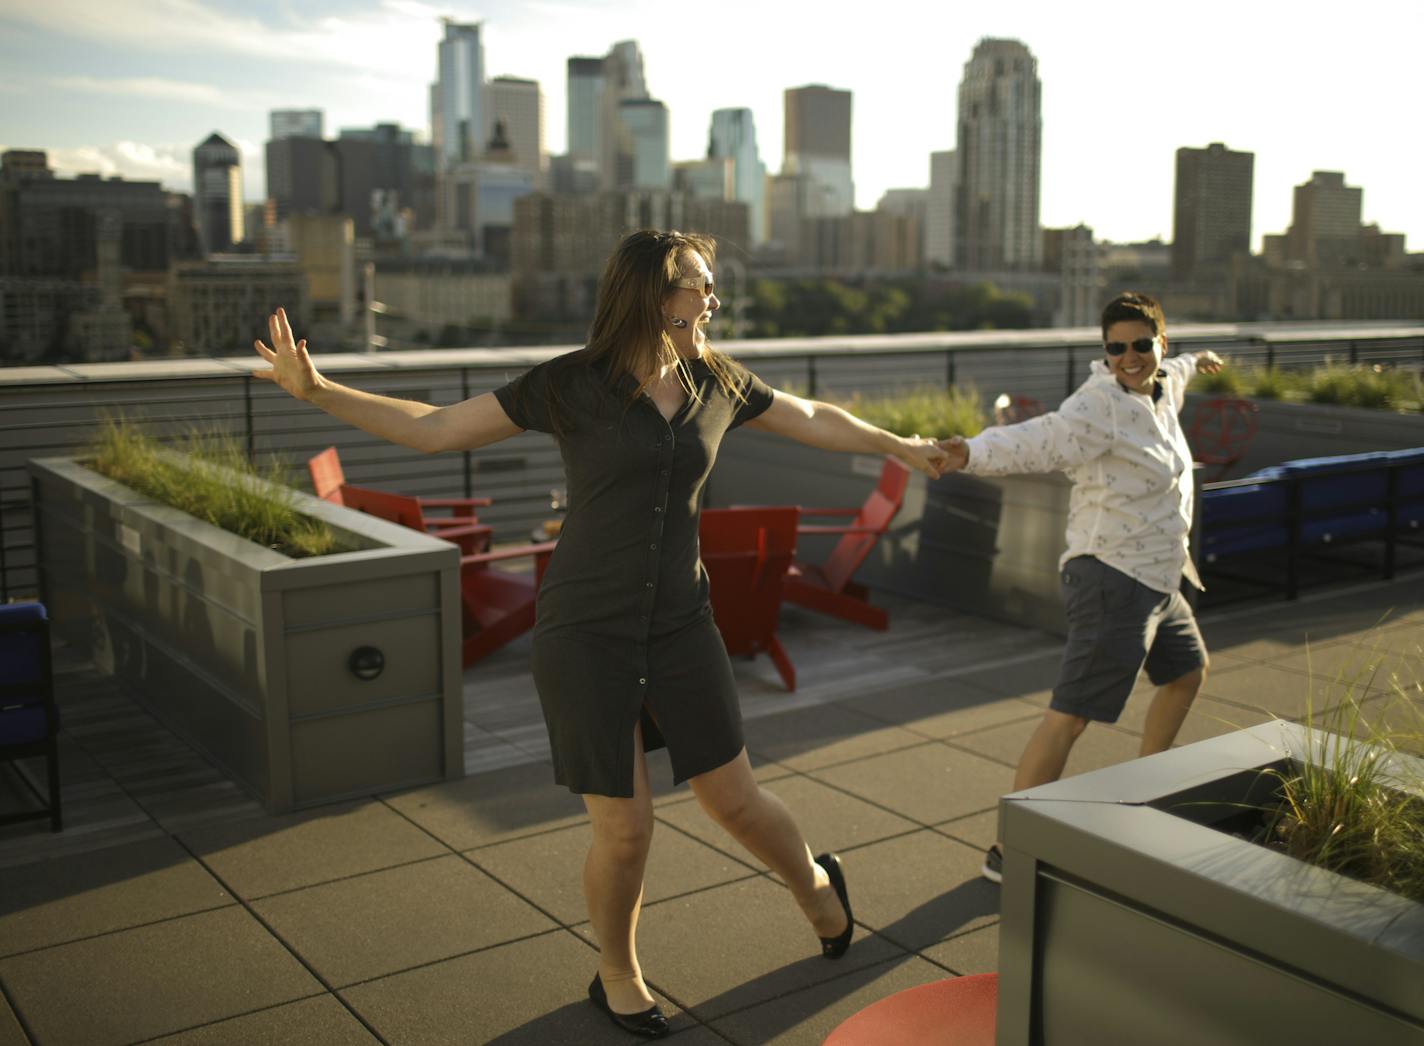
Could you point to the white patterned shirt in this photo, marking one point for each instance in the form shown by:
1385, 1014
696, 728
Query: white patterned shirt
1131, 504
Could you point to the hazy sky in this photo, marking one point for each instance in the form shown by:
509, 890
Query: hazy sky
130, 86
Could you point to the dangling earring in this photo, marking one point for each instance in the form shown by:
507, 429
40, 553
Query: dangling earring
677, 322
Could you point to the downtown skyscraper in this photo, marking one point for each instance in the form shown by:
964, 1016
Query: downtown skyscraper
817, 148
457, 98
733, 136
1211, 213
1000, 154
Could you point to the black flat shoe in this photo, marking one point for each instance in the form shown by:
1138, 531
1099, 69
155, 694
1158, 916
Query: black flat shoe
650, 1023
835, 947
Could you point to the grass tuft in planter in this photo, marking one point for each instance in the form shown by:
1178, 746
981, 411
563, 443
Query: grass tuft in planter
211, 479
1345, 804
1374, 387
927, 410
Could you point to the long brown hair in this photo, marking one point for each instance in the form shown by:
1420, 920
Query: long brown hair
628, 322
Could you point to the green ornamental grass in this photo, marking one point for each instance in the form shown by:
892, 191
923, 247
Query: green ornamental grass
212, 480
926, 410
1352, 802
1375, 387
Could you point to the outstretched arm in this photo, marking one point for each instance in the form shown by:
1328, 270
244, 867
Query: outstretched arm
460, 426
829, 427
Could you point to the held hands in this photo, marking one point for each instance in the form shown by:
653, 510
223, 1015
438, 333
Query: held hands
1209, 362
923, 454
291, 368
956, 452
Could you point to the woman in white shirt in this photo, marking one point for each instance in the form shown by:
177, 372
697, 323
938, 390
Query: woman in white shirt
1118, 439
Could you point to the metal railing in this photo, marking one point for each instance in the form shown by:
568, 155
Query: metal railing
52, 411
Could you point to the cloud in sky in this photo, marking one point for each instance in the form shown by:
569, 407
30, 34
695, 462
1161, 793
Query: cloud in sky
170, 90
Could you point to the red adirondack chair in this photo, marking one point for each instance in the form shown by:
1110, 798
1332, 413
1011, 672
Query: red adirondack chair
1221, 433
1011, 409
827, 586
746, 552
329, 484
496, 605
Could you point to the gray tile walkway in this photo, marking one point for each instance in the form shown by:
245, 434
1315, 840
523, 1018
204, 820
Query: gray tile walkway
172, 911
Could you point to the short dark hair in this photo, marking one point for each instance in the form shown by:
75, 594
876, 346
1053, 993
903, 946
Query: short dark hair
1134, 305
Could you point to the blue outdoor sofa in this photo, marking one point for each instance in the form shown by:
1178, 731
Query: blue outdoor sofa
1300, 507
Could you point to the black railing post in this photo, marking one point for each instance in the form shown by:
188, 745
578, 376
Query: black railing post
811, 377
247, 417
1354, 353
468, 455
949, 358
1072, 376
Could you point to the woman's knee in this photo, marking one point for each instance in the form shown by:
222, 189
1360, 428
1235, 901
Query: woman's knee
627, 832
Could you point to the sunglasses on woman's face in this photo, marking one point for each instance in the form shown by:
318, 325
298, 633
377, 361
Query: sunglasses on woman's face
706, 288
1141, 346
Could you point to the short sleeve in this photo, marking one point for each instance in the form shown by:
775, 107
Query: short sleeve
526, 399
757, 398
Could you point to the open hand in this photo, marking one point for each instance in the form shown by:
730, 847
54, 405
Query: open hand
956, 452
291, 368
1209, 362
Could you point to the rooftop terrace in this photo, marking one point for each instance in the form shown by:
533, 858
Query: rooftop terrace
171, 909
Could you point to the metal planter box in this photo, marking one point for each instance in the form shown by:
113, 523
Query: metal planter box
251, 655
1126, 918
986, 545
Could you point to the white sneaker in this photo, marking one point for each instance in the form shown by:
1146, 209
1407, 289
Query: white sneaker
993, 866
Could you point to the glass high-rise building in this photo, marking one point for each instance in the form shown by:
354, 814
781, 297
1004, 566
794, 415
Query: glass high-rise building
585, 105
519, 106
457, 99
1211, 213
939, 209
217, 194
1000, 155
733, 136
817, 145
646, 122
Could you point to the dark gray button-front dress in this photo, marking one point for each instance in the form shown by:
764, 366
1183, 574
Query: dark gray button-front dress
624, 628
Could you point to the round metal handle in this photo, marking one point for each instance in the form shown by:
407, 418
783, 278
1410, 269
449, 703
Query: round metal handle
366, 662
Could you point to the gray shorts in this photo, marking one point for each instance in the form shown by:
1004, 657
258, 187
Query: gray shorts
1117, 626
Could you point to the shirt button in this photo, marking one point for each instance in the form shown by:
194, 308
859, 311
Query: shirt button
657, 509
653, 545
642, 681
648, 585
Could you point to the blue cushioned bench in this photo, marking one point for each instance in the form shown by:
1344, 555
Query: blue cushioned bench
1301, 506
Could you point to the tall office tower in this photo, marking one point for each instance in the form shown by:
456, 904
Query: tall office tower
733, 136
217, 194
622, 81
585, 104
1000, 145
457, 112
1325, 220
1211, 218
519, 106
939, 209
294, 123
646, 120
817, 139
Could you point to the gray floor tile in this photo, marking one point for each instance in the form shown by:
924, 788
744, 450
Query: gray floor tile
271, 854
528, 993
929, 784
11, 1034
78, 896
919, 889
943, 708
1208, 717
738, 945
489, 807
826, 734
829, 819
806, 1017
318, 1021
1099, 745
979, 831
153, 980
372, 925
973, 952
1265, 688
548, 868
1371, 661
665, 793
1020, 678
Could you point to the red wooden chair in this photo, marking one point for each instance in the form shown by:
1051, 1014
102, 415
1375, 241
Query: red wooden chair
1221, 433
495, 605
329, 484
746, 552
956, 1011
828, 587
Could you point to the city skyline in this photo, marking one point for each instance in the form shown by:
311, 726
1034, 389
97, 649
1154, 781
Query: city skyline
1118, 98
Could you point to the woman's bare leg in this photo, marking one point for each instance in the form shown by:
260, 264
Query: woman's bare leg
759, 821
613, 884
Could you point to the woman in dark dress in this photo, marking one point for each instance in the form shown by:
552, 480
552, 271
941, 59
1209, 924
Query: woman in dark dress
627, 657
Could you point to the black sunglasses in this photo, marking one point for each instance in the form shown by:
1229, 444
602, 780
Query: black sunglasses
1141, 346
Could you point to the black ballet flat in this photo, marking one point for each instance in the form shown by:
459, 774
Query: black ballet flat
835, 947
650, 1023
